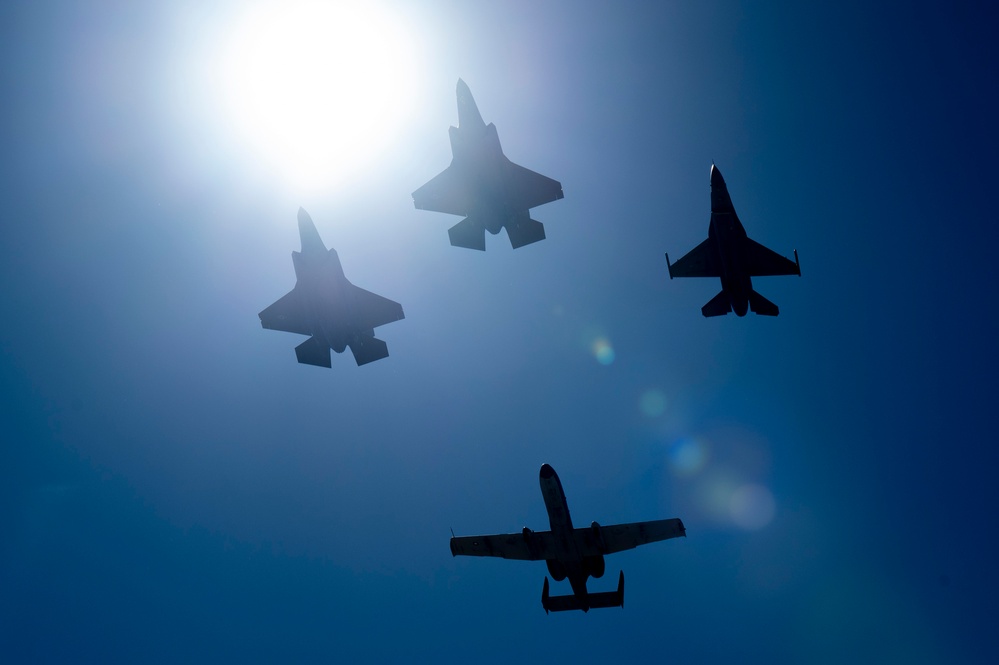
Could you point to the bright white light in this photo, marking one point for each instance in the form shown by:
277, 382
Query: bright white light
317, 89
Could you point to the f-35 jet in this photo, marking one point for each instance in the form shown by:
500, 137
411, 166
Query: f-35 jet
570, 553
481, 184
728, 253
324, 305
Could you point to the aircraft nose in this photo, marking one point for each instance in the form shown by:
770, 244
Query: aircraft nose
716, 175
547, 471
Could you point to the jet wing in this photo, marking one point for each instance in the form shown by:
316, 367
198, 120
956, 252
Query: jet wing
287, 314
525, 546
702, 261
617, 537
529, 189
372, 310
447, 192
762, 262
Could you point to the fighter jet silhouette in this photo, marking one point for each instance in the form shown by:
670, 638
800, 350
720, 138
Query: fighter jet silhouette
728, 253
484, 186
574, 553
335, 313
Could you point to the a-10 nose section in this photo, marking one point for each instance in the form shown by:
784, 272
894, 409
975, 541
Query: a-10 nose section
547, 471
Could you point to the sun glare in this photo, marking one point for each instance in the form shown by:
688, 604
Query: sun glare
317, 89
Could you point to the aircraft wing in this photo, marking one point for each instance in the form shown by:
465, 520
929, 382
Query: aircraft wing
372, 310
618, 537
446, 192
287, 314
525, 546
530, 189
702, 261
763, 262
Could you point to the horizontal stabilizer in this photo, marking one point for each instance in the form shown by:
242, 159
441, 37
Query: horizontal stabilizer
368, 349
525, 232
469, 234
761, 305
573, 602
313, 352
720, 305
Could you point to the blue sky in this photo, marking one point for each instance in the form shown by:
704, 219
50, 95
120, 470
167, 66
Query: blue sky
175, 487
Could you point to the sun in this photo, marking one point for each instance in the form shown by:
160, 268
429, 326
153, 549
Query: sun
317, 89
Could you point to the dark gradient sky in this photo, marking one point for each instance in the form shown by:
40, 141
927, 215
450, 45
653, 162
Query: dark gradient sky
174, 487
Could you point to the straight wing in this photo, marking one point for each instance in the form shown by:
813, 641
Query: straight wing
529, 189
617, 537
525, 546
702, 261
287, 314
762, 262
446, 192
372, 310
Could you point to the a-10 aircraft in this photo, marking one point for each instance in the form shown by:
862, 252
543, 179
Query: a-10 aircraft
570, 553
730, 254
324, 305
481, 184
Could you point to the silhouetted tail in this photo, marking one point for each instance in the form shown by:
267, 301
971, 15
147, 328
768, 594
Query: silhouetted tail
761, 305
525, 231
720, 305
565, 603
468, 233
368, 349
313, 352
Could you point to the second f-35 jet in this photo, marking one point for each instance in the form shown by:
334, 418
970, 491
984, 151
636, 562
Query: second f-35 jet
481, 184
571, 553
324, 305
730, 254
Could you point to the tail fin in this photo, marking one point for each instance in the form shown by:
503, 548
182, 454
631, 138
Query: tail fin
573, 602
313, 352
468, 233
525, 231
761, 305
468, 112
720, 305
609, 598
311, 242
368, 349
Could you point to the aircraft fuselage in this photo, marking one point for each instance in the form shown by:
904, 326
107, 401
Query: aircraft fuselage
570, 563
477, 152
727, 234
328, 297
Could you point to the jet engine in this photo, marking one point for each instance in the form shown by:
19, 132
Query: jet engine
556, 569
594, 565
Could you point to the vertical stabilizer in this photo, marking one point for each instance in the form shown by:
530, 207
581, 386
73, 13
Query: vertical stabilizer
468, 112
311, 242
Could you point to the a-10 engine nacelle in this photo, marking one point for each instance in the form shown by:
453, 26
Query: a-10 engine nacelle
556, 569
595, 564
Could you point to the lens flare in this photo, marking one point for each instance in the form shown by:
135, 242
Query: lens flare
687, 456
603, 351
653, 403
752, 507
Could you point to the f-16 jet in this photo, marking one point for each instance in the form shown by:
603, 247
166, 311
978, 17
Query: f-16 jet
324, 305
481, 184
571, 553
728, 253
